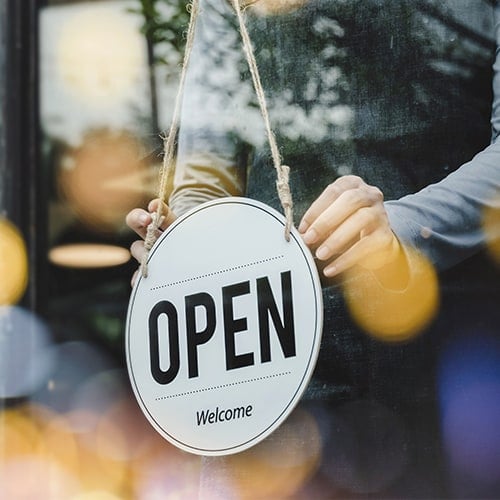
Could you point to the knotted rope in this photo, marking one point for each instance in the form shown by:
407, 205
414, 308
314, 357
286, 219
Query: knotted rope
168, 165
282, 171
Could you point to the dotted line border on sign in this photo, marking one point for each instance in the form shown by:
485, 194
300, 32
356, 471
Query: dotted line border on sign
223, 386
214, 273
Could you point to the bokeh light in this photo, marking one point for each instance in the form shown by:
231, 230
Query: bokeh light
63, 460
99, 471
83, 436
469, 393
13, 263
30, 477
58, 443
89, 173
99, 391
30, 467
77, 363
273, 7
100, 55
102, 441
394, 313
275, 468
27, 355
96, 495
19, 434
491, 228
163, 471
88, 255
169, 475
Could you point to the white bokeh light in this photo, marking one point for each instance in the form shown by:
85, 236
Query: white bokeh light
100, 55
93, 68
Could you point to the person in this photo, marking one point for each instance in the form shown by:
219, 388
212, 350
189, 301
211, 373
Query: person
348, 199
370, 99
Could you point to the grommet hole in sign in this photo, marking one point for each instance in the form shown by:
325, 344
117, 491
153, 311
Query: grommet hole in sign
224, 325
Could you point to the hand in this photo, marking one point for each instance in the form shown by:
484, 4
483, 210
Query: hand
348, 225
139, 220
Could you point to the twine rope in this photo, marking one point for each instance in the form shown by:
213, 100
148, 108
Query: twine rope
282, 171
167, 168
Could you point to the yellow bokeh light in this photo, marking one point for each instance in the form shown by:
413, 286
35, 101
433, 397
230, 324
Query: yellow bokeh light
96, 471
111, 441
491, 228
19, 435
136, 439
97, 495
163, 471
88, 174
100, 55
59, 444
281, 464
35, 457
13, 264
394, 313
272, 7
88, 255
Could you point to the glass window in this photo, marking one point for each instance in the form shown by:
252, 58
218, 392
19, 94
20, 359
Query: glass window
101, 122
404, 401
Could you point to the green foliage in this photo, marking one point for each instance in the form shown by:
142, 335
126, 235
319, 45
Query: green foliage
165, 22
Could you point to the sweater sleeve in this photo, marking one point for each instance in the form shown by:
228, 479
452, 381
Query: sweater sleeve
212, 160
445, 220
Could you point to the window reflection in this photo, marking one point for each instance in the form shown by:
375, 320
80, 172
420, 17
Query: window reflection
99, 141
93, 68
401, 106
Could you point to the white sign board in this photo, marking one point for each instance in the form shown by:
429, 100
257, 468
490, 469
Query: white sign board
223, 335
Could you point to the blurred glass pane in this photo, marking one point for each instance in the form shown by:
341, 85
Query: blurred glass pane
93, 69
99, 134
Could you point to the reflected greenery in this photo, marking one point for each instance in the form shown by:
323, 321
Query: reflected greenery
164, 24
385, 89
407, 72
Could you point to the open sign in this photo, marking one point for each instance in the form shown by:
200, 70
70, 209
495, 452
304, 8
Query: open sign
223, 335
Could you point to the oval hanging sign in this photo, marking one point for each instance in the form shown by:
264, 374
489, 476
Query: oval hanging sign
223, 335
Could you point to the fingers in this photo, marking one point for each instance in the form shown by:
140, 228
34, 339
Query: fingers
362, 222
137, 250
327, 198
338, 202
371, 252
348, 225
166, 213
139, 219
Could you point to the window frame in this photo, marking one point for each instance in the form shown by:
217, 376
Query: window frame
22, 192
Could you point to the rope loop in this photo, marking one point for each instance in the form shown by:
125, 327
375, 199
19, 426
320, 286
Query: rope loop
153, 231
167, 169
281, 170
285, 196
